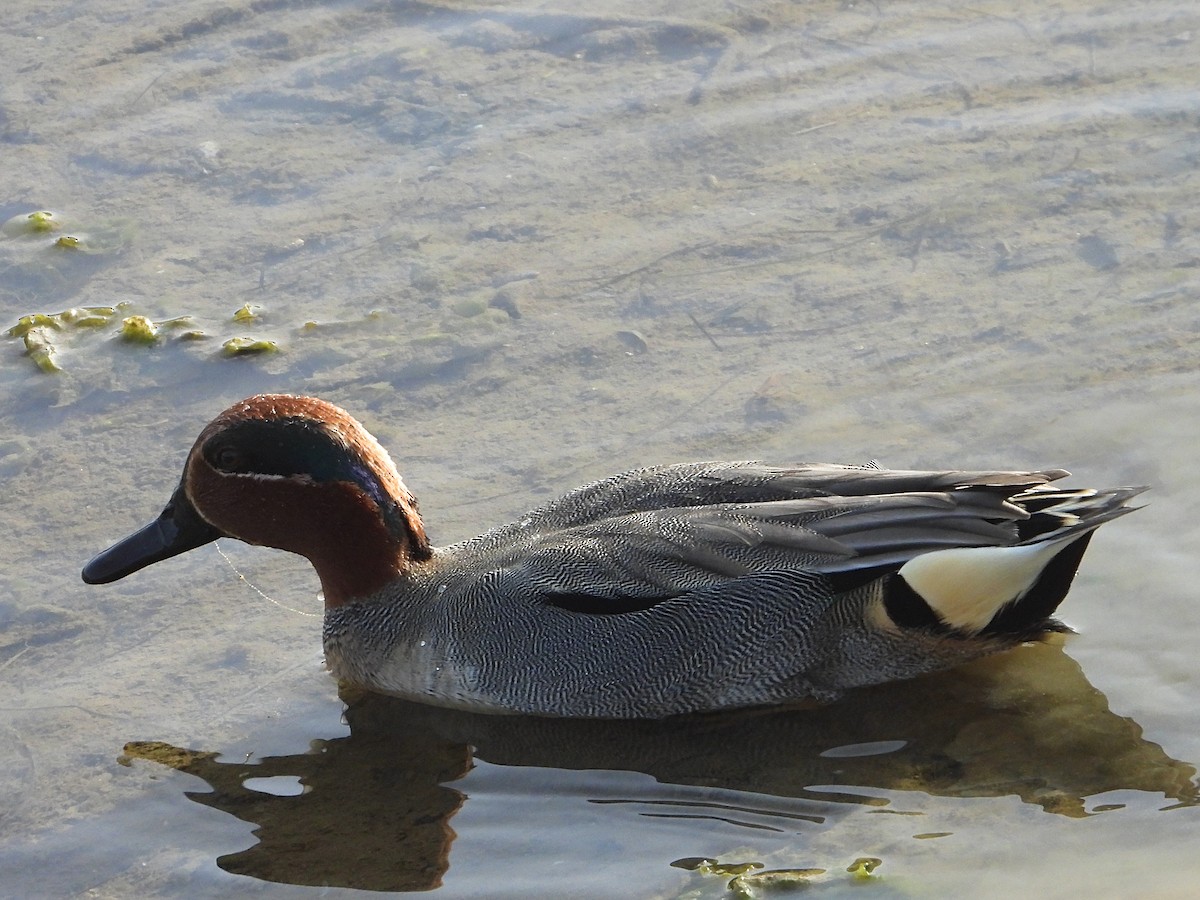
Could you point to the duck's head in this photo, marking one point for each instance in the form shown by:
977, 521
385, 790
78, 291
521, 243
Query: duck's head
294, 473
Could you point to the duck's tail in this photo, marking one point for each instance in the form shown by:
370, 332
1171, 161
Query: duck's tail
1007, 591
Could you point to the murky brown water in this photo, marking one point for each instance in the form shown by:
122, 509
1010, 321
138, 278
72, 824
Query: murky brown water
540, 246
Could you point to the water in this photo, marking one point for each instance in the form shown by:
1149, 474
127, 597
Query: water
540, 246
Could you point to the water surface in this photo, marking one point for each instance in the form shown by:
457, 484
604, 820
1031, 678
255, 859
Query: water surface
529, 246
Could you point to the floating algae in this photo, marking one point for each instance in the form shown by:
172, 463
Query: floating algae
40, 349
864, 866
750, 880
139, 330
77, 316
36, 230
36, 329
25, 324
772, 881
708, 866
242, 346
43, 253
34, 223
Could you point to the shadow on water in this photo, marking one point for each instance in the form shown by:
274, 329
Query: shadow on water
375, 808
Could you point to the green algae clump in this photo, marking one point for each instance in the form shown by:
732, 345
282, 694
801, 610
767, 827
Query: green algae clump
139, 330
750, 880
757, 884
41, 350
38, 222
242, 346
708, 866
864, 867
36, 329
26, 324
76, 316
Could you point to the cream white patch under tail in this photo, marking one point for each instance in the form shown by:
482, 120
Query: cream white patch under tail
967, 586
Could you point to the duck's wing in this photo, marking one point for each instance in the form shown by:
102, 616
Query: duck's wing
712, 483
636, 560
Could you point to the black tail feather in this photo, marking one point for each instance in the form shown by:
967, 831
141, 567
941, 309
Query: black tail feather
1030, 613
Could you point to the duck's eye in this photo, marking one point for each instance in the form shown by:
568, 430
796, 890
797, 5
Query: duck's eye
228, 458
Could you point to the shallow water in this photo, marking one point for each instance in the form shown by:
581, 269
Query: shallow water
536, 247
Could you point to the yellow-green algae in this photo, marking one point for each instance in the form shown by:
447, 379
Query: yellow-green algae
142, 330
164, 754
36, 330
757, 884
708, 866
41, 350
139, 330
748, 883
864, 866
78, 316
44, 253
25, 324
37, 229
37, 222
240, 346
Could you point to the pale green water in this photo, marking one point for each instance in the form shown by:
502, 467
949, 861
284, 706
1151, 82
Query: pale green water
541, 247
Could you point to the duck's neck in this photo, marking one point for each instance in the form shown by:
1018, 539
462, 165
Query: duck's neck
358, 572
357, 552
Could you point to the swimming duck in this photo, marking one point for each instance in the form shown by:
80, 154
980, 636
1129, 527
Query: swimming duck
660, 591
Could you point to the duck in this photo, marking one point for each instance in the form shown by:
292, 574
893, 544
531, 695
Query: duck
662, 591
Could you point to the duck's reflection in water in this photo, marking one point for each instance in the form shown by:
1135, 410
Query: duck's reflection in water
375, 812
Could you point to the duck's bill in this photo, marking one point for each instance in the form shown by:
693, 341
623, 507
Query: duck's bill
178, 529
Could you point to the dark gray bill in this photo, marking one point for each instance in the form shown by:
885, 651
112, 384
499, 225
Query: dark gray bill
178, 529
